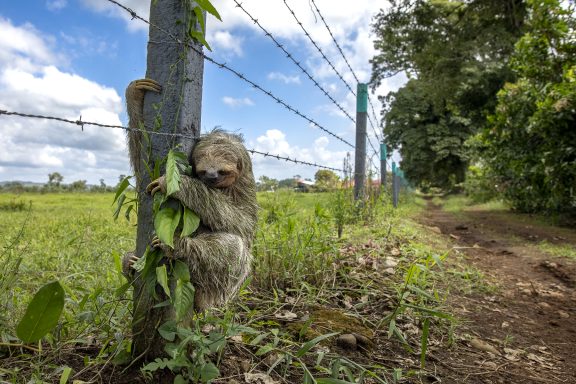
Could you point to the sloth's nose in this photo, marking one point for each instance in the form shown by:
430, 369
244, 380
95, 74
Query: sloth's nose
211, 175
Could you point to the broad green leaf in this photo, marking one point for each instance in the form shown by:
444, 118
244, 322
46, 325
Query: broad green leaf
191, 222
65, 375
172, 174
307, 346
42, 313
209, 372
181, 271
208, 7
162, 278
180, 380
168, 330
165, 223
183, 298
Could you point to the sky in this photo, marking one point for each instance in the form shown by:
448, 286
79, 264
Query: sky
72, 58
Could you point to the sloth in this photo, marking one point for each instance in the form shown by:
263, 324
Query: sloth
222, 192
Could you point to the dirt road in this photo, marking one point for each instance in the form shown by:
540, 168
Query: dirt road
524, 331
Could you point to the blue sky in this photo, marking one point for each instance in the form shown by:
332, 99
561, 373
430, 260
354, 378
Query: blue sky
68, 58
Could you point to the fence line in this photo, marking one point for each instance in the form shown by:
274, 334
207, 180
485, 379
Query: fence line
235, 72
318, 48
82, 123
335, 42
297, 63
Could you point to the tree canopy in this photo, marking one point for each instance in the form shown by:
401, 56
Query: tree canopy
455, 53
529, 145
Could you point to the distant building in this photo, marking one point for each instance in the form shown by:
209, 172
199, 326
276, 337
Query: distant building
304, 185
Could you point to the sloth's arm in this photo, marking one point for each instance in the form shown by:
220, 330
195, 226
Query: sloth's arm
217, 210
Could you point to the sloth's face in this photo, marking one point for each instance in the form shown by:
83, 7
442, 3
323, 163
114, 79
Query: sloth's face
216, 168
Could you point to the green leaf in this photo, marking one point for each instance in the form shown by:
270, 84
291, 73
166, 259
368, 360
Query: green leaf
329, 380
42, 313
181, 271
307, 346
200, 38
162, 278
183, 298
180, 380
165, 223
122, 187
209, 372
191, 222
65, 375
168, 330
172, 174
264, 349
424, 342
119, 206
208, 7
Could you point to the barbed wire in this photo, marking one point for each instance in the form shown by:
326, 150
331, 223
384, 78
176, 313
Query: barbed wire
335, 42
233, 71
375, 119
82, 123
318, 49
297, 63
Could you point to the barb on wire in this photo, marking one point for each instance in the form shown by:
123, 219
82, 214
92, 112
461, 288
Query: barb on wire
82, 123
335, 42
297, 63
236, 73
375, 118
318, 49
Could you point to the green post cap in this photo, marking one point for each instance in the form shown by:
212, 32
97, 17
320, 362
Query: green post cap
362, 98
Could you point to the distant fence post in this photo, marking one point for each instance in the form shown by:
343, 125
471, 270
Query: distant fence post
383, 156
360, 154
394, 185
179, 69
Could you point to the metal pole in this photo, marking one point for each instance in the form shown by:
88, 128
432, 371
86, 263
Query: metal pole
360, 154
179, 70
383, 156
394, 188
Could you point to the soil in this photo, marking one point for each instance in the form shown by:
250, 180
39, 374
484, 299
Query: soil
524, 331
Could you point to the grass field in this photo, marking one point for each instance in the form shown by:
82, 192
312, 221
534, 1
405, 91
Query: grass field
381, 273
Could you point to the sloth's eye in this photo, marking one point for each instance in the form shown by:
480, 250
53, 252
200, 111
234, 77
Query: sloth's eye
201, 173
223, 173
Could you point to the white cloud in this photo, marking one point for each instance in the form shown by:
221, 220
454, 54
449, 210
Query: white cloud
237, 102
31, 82
284, 78
275, 142
225, 42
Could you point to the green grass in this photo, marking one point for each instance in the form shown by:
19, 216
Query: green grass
459, 203
298, 260
558, 250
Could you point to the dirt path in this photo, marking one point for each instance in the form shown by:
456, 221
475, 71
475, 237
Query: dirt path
529, 322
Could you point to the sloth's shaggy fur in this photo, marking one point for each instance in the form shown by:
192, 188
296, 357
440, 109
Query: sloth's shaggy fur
219, 253
222, 192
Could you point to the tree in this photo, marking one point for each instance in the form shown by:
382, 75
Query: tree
326, 179
78, 185
54, 179
288, 183
455, 54
267, 184
530, 145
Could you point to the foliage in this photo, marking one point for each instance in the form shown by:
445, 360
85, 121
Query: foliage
42, 313
326, 180
55, 179
530, 145
454, 53
480, 186
266, 183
